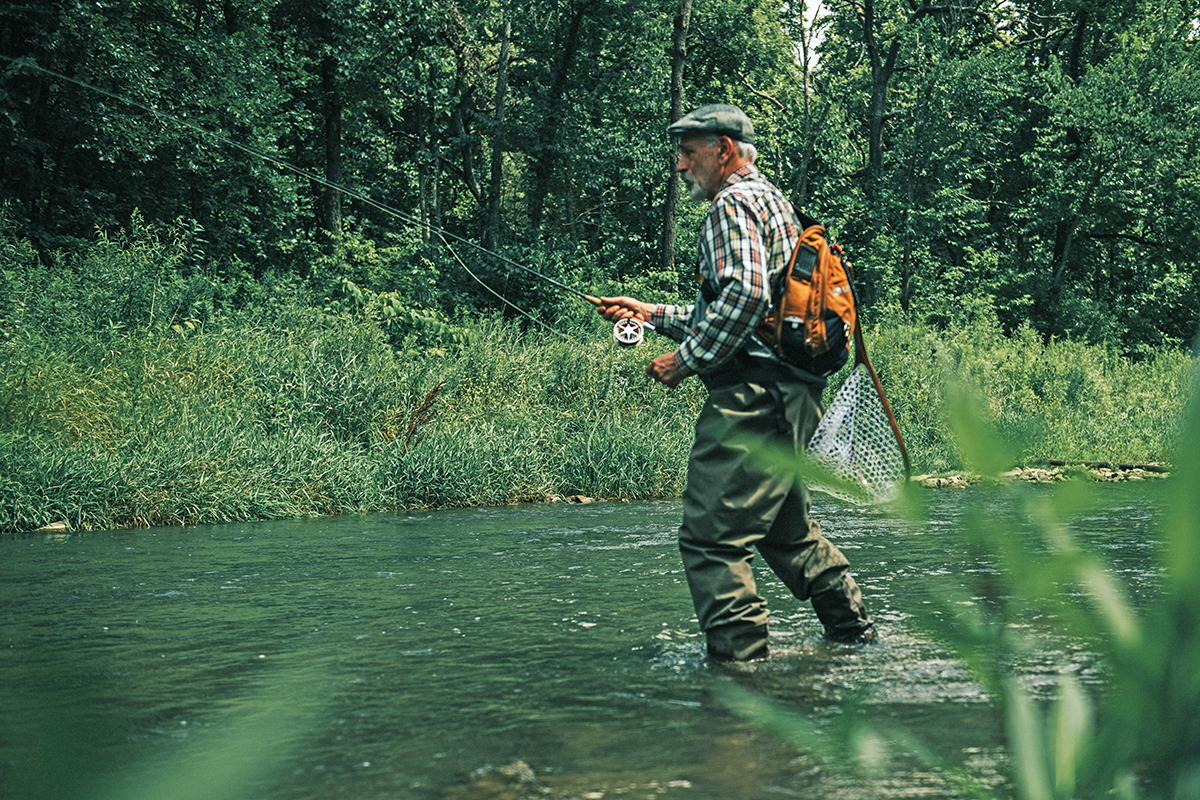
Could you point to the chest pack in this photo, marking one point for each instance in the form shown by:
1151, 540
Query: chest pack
814, 314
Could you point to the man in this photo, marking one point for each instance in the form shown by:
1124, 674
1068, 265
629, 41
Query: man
732, 502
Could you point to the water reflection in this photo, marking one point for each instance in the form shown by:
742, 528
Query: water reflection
422, 655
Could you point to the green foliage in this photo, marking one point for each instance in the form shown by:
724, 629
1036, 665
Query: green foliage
143, 277
1039, 158
1033, 163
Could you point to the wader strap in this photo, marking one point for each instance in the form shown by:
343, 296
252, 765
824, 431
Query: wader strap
781, 421
764, 376
745, 368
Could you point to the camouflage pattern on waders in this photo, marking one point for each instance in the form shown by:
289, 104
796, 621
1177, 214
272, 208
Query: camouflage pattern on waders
732, 504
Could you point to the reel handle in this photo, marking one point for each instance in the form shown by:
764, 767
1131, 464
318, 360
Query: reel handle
630, 332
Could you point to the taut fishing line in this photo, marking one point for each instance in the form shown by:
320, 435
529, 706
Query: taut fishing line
627, 339
501, 297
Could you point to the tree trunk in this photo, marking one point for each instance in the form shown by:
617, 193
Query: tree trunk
811, 129
545, 158
882, 70
800, 192
422, 164
458, 121
330, 210
683, 19
428, 173
491, 234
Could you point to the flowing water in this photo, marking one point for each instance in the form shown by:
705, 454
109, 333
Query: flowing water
464, 654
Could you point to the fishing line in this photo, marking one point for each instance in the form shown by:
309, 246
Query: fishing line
501, 297
28, 63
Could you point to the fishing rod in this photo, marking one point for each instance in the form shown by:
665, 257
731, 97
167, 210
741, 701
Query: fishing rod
626, 332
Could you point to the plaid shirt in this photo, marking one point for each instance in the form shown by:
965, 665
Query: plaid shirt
745, 242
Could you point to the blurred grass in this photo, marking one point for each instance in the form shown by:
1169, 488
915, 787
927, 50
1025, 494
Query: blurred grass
1136, 736
246, 747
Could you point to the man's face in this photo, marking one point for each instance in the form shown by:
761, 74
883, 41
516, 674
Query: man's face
700, 165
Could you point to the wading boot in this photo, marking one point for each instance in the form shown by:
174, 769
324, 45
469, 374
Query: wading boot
738, 643
840, 608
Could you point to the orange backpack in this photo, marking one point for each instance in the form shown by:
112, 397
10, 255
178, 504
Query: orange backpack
814, 316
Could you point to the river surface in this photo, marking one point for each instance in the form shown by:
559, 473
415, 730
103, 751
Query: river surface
467, 654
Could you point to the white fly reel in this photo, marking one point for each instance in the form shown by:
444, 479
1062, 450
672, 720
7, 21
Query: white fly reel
630, 332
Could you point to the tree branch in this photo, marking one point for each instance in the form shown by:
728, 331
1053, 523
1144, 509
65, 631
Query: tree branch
763, 95
926, 10
1131, 237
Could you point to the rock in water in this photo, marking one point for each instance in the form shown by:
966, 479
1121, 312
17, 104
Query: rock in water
515, 781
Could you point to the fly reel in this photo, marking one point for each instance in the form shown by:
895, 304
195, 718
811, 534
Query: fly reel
629, 332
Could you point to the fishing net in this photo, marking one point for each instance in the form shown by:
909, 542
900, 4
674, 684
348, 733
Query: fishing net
857, 443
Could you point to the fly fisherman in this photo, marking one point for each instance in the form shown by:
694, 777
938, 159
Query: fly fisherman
755, 402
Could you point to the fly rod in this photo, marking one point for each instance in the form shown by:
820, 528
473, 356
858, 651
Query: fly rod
626, 332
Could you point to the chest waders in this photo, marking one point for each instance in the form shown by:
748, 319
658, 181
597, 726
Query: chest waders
734, 505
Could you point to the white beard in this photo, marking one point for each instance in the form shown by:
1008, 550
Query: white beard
695, 190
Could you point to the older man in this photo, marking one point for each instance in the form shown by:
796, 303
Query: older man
732, 502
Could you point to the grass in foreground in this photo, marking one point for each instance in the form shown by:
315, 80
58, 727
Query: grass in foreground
1138, 736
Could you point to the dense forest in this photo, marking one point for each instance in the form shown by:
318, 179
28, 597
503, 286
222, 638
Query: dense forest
1029, 162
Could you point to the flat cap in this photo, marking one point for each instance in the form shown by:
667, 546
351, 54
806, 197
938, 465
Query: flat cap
717, 118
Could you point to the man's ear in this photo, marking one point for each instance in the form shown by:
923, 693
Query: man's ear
725, 148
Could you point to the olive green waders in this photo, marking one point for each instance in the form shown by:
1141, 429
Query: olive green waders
733, 503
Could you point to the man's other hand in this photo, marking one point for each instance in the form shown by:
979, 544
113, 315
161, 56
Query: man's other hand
663, 370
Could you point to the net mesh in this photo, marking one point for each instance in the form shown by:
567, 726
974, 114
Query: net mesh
856, 443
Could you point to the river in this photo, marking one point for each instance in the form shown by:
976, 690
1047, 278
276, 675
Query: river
487, 653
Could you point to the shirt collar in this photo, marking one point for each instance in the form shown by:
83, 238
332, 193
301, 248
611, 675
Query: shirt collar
740, 174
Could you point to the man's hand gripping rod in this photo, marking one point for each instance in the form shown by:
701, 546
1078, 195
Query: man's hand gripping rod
628, 331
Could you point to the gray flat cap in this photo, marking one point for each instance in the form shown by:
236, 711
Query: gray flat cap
716, 118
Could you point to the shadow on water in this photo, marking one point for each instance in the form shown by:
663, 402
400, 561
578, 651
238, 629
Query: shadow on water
484, 653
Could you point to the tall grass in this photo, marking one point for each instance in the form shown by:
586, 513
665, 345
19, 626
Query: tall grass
1056, 400
134, 391
313, 414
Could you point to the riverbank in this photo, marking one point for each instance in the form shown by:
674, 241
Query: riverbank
1102, 473
313, 415
1033, 475
117, 415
